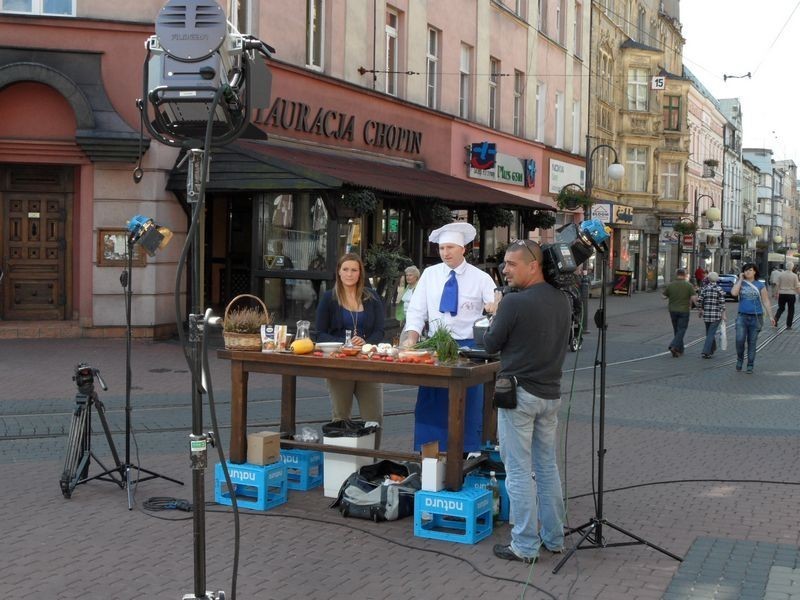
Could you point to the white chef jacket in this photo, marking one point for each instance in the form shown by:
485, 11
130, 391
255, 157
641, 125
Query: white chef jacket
475, 288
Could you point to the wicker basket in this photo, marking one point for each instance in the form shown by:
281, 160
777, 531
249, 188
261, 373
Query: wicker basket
243, 341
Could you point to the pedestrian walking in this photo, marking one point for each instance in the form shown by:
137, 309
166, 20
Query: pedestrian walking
788, 285
530, 330
699, 276
753, 305
712, 311
680, 294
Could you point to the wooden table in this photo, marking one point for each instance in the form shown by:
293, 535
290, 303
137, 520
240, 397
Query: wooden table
456, 378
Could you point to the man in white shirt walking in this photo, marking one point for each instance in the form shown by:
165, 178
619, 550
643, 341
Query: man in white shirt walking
453, 295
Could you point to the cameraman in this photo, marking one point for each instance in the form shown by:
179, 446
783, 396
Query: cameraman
531, 329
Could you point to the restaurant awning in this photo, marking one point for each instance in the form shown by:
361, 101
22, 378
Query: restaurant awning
249, 165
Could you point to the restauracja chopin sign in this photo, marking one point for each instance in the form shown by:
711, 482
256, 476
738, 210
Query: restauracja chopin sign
299, 116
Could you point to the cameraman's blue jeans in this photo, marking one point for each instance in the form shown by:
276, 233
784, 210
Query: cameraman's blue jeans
528, 439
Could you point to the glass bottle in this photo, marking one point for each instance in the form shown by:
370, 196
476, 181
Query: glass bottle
495, 487
302, 330
348, 338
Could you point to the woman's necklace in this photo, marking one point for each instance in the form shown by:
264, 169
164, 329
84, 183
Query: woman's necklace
353, 314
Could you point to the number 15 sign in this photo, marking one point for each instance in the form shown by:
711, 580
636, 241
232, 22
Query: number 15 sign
658, 82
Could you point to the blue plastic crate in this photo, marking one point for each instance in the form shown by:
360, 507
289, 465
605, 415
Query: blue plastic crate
303, 468
257, 487
480, 479
464, 516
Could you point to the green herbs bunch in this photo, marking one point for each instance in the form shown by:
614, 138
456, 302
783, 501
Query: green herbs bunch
443, 343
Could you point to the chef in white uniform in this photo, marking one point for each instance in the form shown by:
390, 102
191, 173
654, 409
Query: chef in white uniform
452, 294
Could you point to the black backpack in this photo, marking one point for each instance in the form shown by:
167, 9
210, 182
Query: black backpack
370, 493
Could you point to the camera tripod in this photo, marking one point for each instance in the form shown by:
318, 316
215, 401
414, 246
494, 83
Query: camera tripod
79, 440
592, 531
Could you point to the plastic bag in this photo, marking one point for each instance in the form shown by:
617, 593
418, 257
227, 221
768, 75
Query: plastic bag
307, 434
723, 336
348, 428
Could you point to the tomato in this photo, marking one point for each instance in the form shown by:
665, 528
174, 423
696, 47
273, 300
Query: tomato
318, 354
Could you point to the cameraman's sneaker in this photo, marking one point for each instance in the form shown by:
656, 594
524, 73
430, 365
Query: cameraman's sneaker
506, 553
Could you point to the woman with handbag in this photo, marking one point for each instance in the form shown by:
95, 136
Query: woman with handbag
753, 305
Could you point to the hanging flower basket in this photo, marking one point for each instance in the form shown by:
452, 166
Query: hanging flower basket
493, 216
360, 202
737, 239
572, 197
685, 227
538, 219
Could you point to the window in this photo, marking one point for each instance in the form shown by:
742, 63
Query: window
314, 28
463, 84
494, 76
672, 113
518, 7
560, 18
640, 26
559, 110
576, 126
637, 89
519, 101
577, 28
39, 7
541, 92
670, 180
392, 25
636, 169
542, 24
604, 85
432, 68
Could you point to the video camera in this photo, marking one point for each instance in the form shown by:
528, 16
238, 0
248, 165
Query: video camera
84, 377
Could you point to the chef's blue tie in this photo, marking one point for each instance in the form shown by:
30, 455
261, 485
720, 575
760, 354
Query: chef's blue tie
449, 301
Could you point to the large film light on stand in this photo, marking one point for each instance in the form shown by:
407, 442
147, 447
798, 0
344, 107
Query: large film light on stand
148, 235
203, 79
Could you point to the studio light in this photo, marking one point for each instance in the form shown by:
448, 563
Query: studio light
197, 68
146, 233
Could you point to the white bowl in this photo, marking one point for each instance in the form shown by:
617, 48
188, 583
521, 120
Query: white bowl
327, 347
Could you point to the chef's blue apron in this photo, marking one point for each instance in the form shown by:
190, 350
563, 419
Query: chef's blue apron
431, 412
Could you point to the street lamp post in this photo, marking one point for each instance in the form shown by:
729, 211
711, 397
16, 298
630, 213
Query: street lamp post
712, 213
756, 230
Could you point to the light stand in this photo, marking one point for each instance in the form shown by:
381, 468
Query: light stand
127, 468
592, 530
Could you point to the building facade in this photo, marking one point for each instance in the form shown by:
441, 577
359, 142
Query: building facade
376, 113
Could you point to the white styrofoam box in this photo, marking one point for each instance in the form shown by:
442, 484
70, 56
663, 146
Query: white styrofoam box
338, 467
432, 474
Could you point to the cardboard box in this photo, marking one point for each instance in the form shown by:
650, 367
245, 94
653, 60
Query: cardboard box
263, 447
432, 467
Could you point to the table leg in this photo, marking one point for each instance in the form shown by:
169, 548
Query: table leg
238, 449
489, 413
288, 404
454, 471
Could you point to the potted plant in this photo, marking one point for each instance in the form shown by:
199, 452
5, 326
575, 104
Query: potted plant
241, 327
737, 239
360, 202
711, 162
494, 216
541, 219
573, 196
431, 214
685, 227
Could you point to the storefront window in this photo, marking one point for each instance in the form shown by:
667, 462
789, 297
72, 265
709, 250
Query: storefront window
349, 239
293, 237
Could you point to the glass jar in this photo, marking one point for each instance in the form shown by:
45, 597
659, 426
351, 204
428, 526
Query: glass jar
302, 330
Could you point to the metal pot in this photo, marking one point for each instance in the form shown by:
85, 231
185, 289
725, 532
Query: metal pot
479, 328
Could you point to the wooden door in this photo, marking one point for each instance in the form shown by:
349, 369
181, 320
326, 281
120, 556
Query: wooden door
36, 203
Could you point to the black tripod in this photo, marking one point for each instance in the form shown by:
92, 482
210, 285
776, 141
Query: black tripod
79, 441
127, 468
592, 530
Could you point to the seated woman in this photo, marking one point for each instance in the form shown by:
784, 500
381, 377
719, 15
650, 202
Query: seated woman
351, 306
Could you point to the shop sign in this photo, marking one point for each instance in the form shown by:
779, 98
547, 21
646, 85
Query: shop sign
482, 156
623, 215
563, 173
506, 169
292, 115
602, 211
688, 240
668, 235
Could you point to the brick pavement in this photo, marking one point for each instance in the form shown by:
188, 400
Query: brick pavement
700, 459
